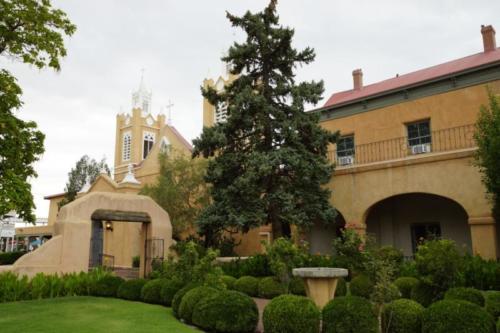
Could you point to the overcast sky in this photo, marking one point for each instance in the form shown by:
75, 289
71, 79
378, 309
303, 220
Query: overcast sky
179, 43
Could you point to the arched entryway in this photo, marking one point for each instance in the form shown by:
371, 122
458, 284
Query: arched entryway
320, 237
405, 220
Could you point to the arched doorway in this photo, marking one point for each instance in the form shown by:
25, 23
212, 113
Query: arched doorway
406, 220
320, 237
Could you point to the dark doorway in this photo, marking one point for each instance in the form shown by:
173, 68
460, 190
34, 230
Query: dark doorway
96, 244
424, 232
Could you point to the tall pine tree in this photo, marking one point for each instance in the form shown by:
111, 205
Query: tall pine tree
269, 160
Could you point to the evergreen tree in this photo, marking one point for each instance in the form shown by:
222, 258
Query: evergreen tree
269, 157
487, 137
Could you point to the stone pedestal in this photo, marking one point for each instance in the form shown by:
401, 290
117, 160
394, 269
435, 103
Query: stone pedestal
320, 282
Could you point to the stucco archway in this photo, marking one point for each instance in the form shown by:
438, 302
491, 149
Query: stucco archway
320, 237
69, 249
405, 220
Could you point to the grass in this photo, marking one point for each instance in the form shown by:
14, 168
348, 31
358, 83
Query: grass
88, 314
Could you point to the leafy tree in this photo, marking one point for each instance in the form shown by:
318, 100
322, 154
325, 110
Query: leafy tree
180, 189
269, 160
85, 171
31, 31
487, 137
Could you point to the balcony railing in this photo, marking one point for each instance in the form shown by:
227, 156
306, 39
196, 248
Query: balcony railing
449, 139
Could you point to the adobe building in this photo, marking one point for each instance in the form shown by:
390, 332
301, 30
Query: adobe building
404, 163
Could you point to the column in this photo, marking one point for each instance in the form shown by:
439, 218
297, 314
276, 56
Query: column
484, 236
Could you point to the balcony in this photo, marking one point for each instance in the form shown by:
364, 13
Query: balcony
445, 140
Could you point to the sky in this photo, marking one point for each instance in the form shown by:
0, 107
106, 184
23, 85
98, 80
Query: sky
179, 43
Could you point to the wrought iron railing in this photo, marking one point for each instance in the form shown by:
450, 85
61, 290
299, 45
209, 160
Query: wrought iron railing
449, 139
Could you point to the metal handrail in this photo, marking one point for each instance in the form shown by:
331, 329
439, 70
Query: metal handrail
448, 139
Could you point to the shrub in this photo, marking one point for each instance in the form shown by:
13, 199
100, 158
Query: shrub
405, 285
176, 301
408, 269
492, 302
350, 314
402, 316
361, 286
136, 261
439, 263
248, 285
226, 311
151, 292
270, 287
284, 255
458, 317
13, 288
228, 281
465, 294
291, 314
107, 286
168, 290
8, 258
297, 286
341, 288
424, 294
131, 289
257, 265
191, 299
347, 252
481, 274
390, 255
498, 325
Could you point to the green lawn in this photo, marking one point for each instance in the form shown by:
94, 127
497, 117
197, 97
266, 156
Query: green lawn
88, 314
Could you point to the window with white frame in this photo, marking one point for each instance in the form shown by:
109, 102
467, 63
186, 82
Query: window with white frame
345, 150
126, 147
221, 113
148, 142
419, 133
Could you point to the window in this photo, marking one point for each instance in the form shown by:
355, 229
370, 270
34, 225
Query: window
127, 140
345, 146
221, 113
148, 143
423, 232
165, 146
419, 133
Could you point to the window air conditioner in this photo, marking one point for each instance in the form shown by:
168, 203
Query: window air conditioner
346, 160
421, 149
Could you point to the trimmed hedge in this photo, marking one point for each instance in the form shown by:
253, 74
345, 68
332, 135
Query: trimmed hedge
151, 292
176, 301
423, 294
405, 285
297, 286
341, 289
349, 314
291, 314
270, 287
361, 286
402, 316
131, 289
248, 285
492, 302
168, 290
465, 294
226, 311
229, 281
8, 258
107, 286
191, 299
458, 317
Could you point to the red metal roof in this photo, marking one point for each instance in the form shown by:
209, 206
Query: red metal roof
427, 74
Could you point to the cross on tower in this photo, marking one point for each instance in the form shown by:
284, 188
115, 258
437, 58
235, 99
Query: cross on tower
169, 108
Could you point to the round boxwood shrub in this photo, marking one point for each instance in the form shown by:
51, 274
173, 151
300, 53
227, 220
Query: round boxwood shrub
191, 299
291, 314
492, 303
168, 290
465, 294
151, 292
248, 285
229, 281
402, 316
270, 287
361, 286
349, 314
107, 286
131, 289
297, 286
341, 289
226, 311
405, 285
423, 294
458, 317
176, 301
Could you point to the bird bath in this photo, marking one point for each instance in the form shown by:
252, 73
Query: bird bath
320, 282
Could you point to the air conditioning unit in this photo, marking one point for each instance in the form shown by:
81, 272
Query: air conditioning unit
346, 160
421, 149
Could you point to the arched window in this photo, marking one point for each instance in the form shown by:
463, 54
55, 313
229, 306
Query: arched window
165, 146
127, 140
148, 142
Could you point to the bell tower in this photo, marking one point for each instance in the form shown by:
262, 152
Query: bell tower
136, 132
